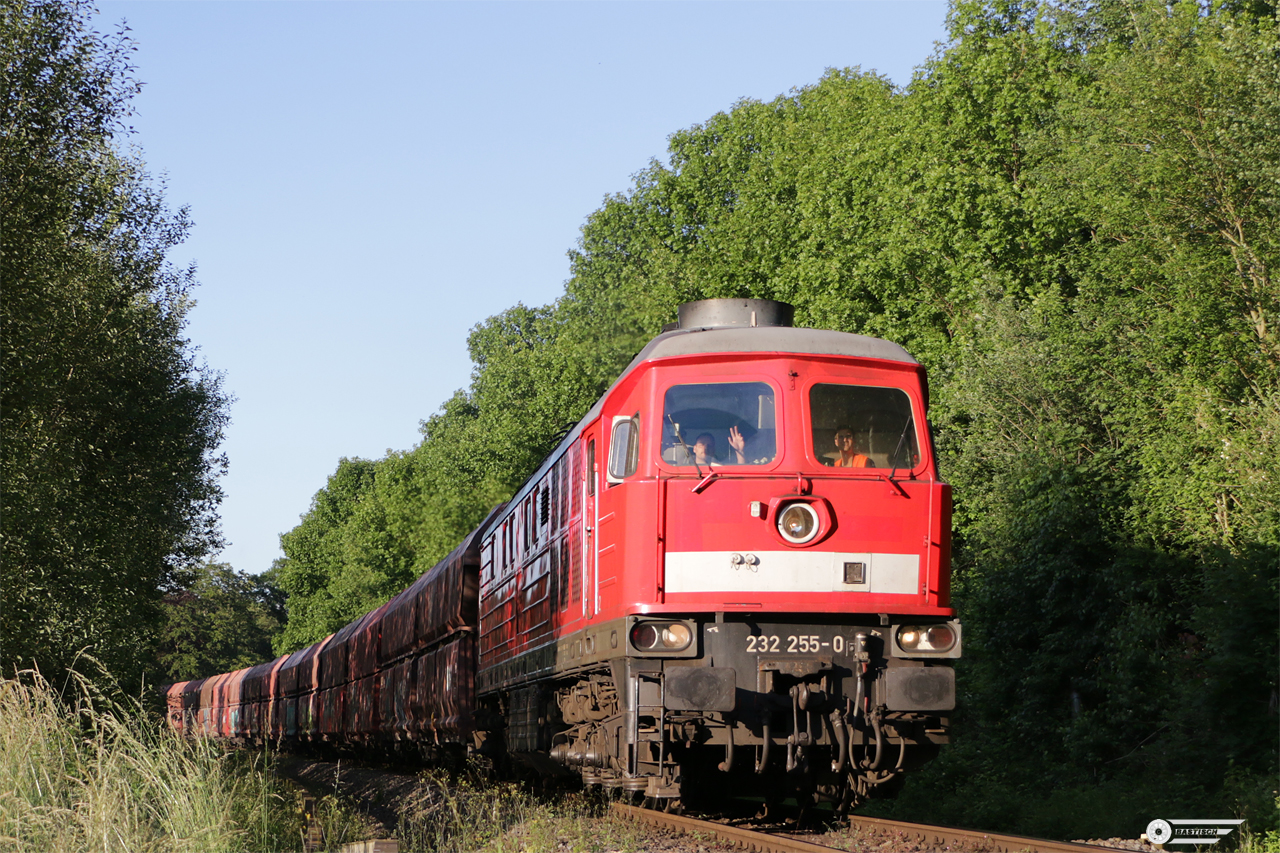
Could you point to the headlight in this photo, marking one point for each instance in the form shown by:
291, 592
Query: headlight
660, 636
675, 637
927, 638
798, 523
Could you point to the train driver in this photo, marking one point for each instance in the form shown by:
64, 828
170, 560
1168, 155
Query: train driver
849, 455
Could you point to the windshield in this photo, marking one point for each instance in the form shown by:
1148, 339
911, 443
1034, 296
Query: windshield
723, 423
860, 427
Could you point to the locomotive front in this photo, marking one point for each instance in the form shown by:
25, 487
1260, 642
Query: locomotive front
751, 592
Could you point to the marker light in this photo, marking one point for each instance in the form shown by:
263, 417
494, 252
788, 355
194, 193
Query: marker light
645, 636
660, 636
930, 638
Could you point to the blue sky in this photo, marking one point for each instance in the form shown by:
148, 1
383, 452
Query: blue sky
369, 181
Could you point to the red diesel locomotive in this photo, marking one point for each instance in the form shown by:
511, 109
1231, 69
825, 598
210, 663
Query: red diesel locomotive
732, 574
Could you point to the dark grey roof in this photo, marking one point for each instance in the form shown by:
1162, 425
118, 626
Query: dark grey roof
769, 339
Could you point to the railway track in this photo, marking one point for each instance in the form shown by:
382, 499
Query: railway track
931, 837
387, 787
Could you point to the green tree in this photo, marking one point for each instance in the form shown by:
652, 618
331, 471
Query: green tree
111, 426
222, 621
325, 591
1111, 436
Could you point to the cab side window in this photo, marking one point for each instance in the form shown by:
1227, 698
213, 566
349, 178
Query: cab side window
624, 448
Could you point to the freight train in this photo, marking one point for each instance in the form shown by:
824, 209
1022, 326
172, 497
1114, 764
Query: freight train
732, 575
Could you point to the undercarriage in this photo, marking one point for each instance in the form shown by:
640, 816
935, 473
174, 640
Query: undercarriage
743, 718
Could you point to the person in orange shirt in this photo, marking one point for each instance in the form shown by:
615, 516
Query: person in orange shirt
849, 457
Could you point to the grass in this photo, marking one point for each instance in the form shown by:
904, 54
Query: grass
342, 823
81, 773
472, 813
1267, 842
84, 774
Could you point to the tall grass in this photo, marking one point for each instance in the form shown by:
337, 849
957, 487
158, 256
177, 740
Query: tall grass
472, 813
82, 775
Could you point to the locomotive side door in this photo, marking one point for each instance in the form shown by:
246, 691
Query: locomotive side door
590, 593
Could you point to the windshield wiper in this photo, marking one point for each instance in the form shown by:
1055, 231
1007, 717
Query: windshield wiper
902, 439
689, 454
893, 469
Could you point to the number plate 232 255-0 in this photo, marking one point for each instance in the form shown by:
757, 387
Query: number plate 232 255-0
806, 644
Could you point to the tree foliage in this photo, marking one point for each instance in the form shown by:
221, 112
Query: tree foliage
110, 425
222, 620
1070, 216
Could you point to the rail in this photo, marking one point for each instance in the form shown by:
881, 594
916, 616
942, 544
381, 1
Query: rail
937, 837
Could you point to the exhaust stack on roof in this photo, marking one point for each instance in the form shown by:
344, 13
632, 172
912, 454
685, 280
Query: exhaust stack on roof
720, 313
